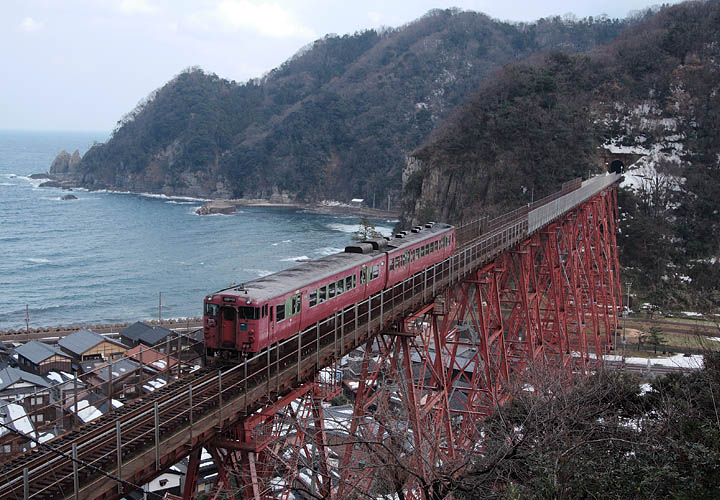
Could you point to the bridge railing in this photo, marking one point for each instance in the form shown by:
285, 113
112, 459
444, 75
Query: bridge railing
186, 415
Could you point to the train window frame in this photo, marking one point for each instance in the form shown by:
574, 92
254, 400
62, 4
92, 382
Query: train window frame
391, 264
322, 294
349, 283
354, 280
312, 298
214, 307
248, 313
331, 290
224, 309
295, 302
375, 272
339, 287
280, 308
362, 275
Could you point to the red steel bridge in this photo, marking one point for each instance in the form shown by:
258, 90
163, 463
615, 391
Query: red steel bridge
425, 360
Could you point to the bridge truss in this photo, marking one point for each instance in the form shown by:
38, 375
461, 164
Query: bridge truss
427, 380
430, 358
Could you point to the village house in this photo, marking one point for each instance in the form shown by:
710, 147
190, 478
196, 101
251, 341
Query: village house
150, 336
30, 391
85, 345
40, 358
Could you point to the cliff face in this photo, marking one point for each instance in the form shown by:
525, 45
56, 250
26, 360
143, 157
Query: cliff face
650, 99
335, 121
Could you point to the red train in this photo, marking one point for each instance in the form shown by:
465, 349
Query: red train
262, 312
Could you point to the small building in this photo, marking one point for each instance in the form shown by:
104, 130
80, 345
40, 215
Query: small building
16, 425
40, 358
151, 358
85, 345
29, 390
357, 202
110, 379
150, 336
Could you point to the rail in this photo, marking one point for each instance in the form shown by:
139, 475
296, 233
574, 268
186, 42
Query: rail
141, 439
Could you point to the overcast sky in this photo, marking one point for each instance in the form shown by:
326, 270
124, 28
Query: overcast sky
82, 64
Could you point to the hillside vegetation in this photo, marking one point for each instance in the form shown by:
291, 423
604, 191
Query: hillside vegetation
649, 98
335, 121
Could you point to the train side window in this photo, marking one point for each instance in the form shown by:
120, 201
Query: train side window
349, 283
271, 314
417, 253
322, 294
375, 272
295, 304
280, 312
313, 298
354, 281
437, 245
392, 264
362, 275
340, 286
331, 290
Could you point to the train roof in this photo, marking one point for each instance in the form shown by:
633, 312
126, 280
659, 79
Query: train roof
288, 280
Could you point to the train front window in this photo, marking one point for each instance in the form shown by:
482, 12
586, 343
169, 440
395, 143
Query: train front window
228, 313
211, 310
248, 312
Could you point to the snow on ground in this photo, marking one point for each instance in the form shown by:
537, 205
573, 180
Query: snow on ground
677, 361
692, 314
645, 388
716, 339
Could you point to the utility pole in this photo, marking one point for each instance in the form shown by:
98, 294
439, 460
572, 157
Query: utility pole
625, 315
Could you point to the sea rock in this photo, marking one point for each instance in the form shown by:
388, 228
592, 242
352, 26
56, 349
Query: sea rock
65, 163
40, 176
217, 207
51, 184
69, 197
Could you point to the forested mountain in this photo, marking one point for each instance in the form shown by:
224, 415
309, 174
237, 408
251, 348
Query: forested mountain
650, 98
335, 121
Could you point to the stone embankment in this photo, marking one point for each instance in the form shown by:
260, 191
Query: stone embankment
60, 331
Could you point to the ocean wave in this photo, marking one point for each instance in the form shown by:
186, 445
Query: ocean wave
283, 241
259, 272
37, 260
301, 258
6, 184
154, 195
328, 250
174, 202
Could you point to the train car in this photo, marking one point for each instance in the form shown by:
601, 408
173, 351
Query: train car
254, 315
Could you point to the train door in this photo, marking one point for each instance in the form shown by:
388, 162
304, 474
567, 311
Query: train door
271, 325
228, 327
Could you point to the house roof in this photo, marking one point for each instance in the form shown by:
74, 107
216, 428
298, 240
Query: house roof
37, 352
150, 357
150, 335
10, 376
120, 368
80, 341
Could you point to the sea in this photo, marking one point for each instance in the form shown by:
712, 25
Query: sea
111, 257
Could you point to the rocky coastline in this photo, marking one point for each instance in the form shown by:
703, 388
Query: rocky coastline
65, 174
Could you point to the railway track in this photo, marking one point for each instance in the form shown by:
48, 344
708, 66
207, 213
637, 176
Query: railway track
156, 431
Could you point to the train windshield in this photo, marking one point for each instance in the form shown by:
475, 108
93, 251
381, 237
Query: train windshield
248, 312
211, 310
